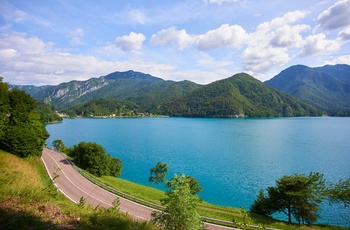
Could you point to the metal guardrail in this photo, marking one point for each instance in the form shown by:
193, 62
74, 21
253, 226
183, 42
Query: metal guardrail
146, 203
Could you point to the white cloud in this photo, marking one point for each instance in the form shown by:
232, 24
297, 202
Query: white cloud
336, 16
340, 60
178, 39
131, 42
288, 36
225, 36
22, 44
219, 2
76, 36
345, 34
318, 43
260, 59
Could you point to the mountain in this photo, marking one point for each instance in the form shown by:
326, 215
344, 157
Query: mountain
238, 96
144, 89
327, 87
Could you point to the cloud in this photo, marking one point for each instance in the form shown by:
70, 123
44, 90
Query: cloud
173, 37
318, 43
131, 42
22, 44
137, 16
287, 36
76, 36
219, 2
225, 36
340, 60
260, 59
344, 35
336, 16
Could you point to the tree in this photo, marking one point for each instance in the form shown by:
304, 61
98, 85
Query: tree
296, 195
180, 212
22, 131
58, 145
92, 157
194, 185
340, 192
158, 173
260, 204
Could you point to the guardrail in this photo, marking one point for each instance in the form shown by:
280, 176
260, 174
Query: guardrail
149, 204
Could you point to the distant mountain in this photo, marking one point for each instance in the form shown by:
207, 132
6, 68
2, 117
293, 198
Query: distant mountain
145, 90
238, 96
327, 87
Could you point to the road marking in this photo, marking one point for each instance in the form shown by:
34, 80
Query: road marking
87, 192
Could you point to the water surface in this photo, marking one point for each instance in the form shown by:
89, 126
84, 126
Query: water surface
232, 158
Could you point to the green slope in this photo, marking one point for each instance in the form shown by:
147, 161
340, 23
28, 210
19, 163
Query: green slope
238, 96
327, 88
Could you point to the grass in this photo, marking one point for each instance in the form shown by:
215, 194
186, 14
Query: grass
204, 209
28, 200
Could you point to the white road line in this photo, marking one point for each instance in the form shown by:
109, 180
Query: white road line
88, 193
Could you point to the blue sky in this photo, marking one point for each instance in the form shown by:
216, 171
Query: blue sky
55, 41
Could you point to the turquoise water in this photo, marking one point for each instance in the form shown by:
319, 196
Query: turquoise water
232, 158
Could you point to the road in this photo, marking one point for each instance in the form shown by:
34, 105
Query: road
74, 186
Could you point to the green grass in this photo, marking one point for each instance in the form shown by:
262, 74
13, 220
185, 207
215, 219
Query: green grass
28, 200
204, 209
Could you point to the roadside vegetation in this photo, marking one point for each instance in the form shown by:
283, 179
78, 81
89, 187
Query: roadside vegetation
28, 199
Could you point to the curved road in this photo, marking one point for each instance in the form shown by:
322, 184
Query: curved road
74, 186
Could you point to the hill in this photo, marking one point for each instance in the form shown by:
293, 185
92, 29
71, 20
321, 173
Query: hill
238, 96
327, 87
144, 89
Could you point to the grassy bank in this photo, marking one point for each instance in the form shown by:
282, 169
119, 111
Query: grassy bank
205, 209
28, 200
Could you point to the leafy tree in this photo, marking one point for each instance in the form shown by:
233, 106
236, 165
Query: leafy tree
260, 204
180, 212
340, 192
58, 145
158, 173
22, 131
194, 185
296, 195
92, 157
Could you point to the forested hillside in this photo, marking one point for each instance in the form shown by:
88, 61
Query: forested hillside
327, 87
238, 96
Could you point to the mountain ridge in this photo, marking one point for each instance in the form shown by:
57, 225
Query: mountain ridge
327, 87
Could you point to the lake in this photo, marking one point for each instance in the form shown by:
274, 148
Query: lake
232, 158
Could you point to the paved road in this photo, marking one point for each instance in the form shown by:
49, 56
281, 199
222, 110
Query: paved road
74, 186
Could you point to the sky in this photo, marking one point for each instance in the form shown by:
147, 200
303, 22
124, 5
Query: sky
54, 41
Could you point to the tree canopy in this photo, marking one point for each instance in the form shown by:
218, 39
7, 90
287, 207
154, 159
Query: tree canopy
296, 195
92, 157
180, 212
158, 173
22, 132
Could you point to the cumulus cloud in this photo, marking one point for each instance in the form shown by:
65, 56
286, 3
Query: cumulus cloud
318, 43
178, 39
287, 36
260, 59
336, 16
225, 36
76, 36
28, 60
131, 42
